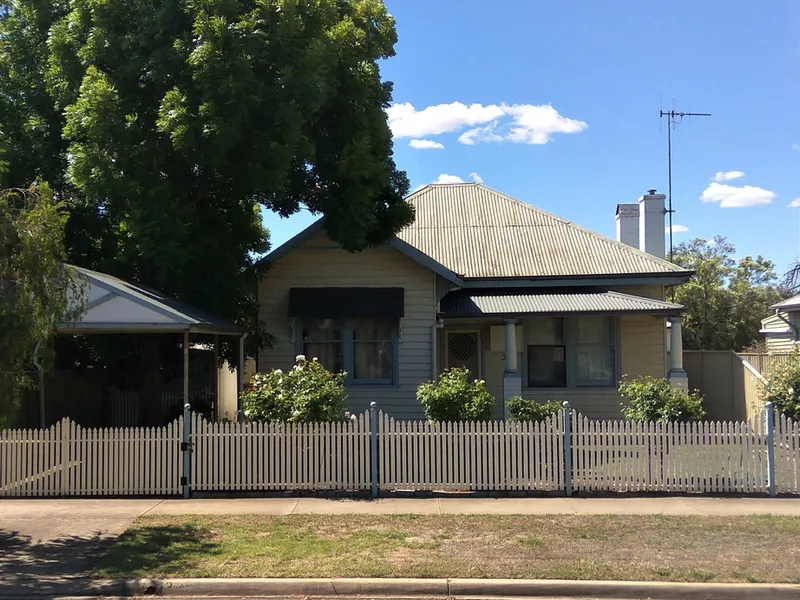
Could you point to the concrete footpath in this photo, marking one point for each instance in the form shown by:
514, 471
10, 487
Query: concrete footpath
47, 512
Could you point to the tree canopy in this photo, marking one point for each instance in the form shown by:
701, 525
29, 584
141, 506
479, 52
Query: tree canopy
726, 299
165, 127
36, 291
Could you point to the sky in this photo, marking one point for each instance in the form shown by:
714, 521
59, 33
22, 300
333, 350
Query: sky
557, 103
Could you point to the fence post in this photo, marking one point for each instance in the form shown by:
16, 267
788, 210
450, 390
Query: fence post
373, 455
769, 415
186, 449
567, 449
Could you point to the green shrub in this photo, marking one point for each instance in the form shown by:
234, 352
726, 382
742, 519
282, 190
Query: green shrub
783, 388
308, 392
529, 410
455, 397
651, 399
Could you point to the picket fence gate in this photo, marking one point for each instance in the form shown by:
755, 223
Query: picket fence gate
374, 452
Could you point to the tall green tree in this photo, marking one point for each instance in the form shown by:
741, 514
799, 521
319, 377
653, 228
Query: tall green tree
36, 291
166, 126
725, 299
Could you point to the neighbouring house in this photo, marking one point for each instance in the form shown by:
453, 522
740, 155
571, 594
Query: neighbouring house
780, 330
528, 301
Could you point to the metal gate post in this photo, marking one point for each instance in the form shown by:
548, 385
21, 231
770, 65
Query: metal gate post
186, 450
567, 449
769, 415
373, 455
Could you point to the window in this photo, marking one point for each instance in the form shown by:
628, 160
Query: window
547, 356
322, 339
595, 356
572, 351
364, 348
373, 350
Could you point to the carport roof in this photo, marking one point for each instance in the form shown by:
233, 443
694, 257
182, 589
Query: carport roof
118, 306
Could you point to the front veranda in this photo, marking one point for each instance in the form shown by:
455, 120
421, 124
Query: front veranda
559, 346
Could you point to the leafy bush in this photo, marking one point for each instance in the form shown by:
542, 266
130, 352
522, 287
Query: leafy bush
306, 393
456, 398
652, 399
783, 388
528, 410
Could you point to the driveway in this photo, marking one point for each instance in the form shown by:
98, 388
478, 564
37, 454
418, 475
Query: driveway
45, 541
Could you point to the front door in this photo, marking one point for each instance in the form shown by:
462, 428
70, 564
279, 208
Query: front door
464, 351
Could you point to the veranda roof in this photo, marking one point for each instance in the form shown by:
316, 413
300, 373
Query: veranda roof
477, 303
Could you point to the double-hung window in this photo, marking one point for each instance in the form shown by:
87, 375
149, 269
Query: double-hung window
578, 351
351, 329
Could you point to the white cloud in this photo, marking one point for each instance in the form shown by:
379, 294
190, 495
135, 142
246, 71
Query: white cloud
425, 144
445, 178
677, 229
794, 203
730, 196
727, 175
795, 146
519, 123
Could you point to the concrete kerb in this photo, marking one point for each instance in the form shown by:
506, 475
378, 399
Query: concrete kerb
418, 588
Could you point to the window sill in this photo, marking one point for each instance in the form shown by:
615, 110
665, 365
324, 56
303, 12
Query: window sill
369, 382
586, 388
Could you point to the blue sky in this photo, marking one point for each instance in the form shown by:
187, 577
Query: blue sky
557, 103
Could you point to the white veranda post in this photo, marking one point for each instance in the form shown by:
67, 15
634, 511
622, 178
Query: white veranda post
677, 376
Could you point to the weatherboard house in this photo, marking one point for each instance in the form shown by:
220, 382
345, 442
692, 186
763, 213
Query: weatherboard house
530, 302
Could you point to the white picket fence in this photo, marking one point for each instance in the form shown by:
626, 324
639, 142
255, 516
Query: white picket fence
69, 460
490, 456
377, 452
280, 456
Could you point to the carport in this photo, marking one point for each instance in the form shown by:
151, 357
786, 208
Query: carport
115, 306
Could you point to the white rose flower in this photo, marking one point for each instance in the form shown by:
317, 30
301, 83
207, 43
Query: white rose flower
300, 358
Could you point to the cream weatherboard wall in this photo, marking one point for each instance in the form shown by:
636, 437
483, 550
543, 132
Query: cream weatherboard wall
319, 263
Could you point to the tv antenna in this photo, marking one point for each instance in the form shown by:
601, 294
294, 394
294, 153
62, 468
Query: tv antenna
674, 117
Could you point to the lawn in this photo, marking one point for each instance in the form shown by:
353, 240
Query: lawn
654, 548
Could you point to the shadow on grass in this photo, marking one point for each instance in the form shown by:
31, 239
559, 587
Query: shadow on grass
59, 565
147, 550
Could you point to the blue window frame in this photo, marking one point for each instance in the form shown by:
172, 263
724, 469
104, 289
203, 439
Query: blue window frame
366, 348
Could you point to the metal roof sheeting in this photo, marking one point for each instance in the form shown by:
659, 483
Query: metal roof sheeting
478, 232
793, 302
468, 304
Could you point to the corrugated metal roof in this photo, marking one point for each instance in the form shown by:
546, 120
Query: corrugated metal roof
478, 232
793, 302
465, 303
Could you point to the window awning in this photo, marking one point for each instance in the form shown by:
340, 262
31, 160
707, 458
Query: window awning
339, 303
497, 303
